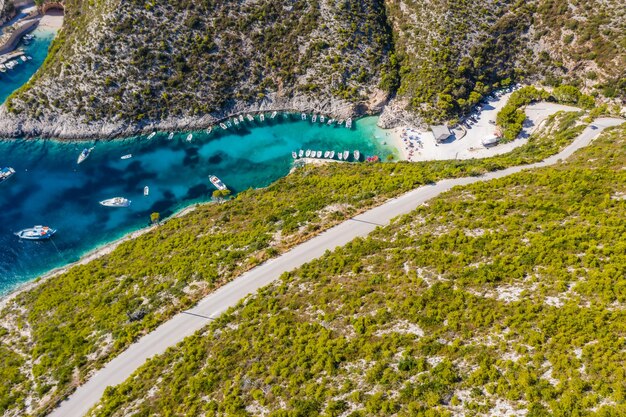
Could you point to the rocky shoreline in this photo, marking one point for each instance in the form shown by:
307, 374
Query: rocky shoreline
69, 127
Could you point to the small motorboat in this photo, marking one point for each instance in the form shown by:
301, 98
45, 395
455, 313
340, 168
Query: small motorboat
307, 153
273, 115
340, 155
301, 153
84, 154
349, 123
321, 119
116, 202
217, 183
6, 173
314, 118
36, 233
151, 135
209, 130
346, 155
236, 121
303, 116
319, 154
332, 155
250, 118
223, 126
228, 123
128, 156
357, 155
146, 190
189, 137
262, 117
326, 154
294, 155
170, 136
241, 117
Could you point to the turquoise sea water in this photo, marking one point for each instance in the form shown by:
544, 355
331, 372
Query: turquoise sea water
49, 188
18, 76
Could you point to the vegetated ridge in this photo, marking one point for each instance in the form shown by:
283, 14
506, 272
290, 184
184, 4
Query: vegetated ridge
499, 298
119, 67
50, 346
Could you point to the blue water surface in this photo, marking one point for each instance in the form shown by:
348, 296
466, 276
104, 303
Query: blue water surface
13, 79
49, 188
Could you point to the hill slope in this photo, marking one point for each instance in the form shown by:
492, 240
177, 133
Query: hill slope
497, 298
121, 66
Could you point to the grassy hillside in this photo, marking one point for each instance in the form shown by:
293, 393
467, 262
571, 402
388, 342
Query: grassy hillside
51, 345
498, 298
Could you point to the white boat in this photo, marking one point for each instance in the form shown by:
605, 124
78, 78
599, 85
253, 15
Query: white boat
128, 156
262, 117
273, 115
209, 130
250, 118
241, 117
146, 190
332, 155
307, 153
24, 58
228, 123
223, 126
151, 135
330, 122
340, 155
170, 136
303, 116
301, 153
349, 123
322, 119
189, 137
236, 121
36, 233
217, 182
319, 154
340, 122
314, 118
346, 155
294, 155
84, 154
116, 202
357, 155
326, 154
6, 173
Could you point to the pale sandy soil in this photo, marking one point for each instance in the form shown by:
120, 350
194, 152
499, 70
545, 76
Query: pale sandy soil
467, 143
51, 20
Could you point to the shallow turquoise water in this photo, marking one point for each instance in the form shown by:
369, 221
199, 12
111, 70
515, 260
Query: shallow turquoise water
18, 76
49, 188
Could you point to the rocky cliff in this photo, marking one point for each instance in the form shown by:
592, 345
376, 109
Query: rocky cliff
122, 66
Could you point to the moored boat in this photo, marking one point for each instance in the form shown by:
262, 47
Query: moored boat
6, 173
151, 135
294, 155
321, 119
236, 121
170, 136
273, 115
250, 118
241, 117
217, 182
326, 154
332, 154
300, 153
146, 190
340, 155
319, 154
346, 155
84, 155
127, 156
349, 123
262, 117
116, 202
189, 137
36, 233
307, 153
357, 155
314, 118
209, 130
223, 126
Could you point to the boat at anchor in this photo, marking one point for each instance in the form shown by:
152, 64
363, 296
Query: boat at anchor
116, 202
36, 233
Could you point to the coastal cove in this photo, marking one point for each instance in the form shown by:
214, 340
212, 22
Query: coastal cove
50, 188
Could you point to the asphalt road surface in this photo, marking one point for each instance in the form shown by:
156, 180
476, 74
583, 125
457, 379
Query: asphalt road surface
188, 322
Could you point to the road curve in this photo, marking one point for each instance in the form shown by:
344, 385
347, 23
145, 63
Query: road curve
188, 322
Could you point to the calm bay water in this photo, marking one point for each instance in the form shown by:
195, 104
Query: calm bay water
38, 50
49, 188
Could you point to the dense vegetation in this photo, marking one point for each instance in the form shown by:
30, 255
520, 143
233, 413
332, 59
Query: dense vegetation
119, 297
140, 61
498, 298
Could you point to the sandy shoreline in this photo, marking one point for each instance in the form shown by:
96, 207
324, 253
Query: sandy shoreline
52, 20
96, 253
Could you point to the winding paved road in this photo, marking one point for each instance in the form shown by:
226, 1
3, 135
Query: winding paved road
186, 323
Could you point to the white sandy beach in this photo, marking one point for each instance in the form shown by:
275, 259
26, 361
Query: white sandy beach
52, 20
467, 143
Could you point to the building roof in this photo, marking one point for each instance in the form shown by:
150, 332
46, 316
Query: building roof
440, 132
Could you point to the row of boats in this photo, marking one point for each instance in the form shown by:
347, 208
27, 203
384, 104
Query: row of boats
236, 120
14, 63
323, 119
342, 156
